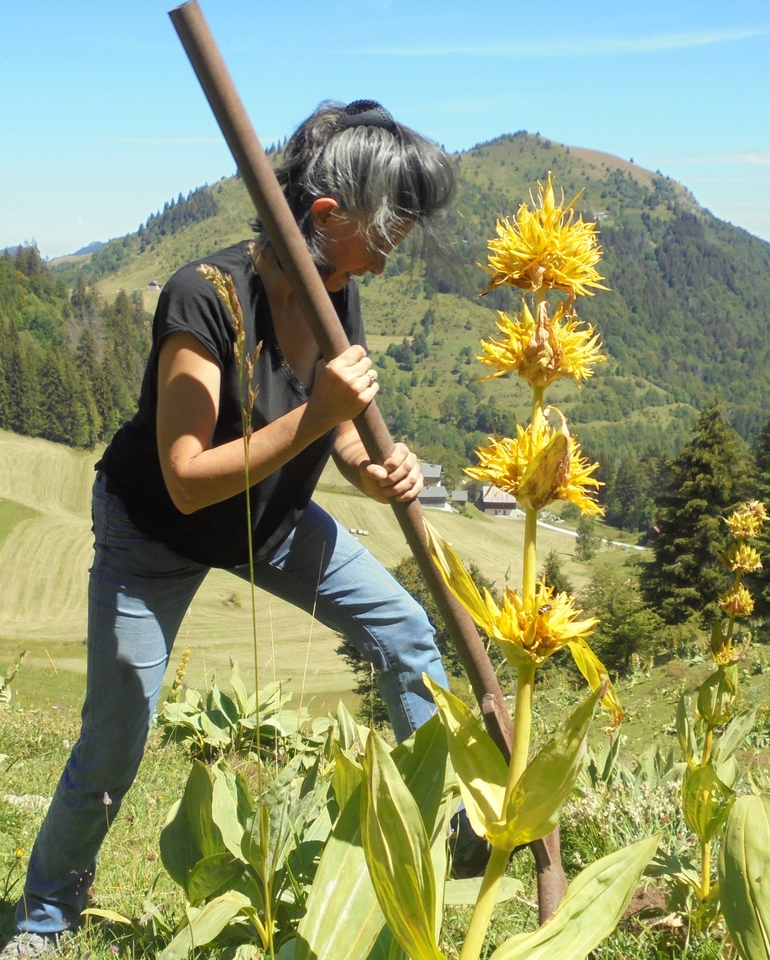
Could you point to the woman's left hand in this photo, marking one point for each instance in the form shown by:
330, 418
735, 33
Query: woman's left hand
399, 476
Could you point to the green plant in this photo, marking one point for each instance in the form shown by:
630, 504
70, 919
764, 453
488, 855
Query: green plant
215, 723
5, 682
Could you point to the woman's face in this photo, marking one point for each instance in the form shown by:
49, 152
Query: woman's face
349, 246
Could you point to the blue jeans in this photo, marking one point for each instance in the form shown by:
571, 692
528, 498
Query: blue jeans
139, 591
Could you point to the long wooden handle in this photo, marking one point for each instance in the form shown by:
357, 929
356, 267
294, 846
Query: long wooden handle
295, 259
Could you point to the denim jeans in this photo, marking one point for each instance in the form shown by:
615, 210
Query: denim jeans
139, 591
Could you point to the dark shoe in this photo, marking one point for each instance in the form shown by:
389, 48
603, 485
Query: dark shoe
469, 853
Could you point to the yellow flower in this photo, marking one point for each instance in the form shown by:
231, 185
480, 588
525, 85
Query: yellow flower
741, 558
737, 601
746, 522
724, 650
544, 350
526, 631
544, 248
539, 466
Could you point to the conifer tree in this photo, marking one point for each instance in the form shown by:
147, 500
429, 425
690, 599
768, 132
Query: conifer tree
697, 489
759, 582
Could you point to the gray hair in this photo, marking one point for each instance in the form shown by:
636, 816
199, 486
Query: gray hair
377, 169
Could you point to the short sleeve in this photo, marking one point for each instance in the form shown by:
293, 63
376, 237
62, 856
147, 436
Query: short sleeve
190, 304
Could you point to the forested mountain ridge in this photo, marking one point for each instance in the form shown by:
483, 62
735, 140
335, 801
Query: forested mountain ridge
686, 316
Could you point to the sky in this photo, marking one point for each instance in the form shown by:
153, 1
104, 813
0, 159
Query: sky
102, 119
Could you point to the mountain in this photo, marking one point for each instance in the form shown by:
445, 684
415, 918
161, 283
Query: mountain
686, 316
93, 247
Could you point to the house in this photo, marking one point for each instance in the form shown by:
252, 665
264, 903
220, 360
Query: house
431, 473
434, 498
496, 503
154, 285
460, 497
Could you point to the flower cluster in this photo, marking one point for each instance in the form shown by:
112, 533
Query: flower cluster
746, 522
539, 465
542, 350
545, 248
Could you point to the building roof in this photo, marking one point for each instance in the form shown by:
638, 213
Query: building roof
431, 471
433, 493
460, 496
490, 494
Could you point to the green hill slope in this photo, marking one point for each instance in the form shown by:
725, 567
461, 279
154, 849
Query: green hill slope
687, 314
45, 553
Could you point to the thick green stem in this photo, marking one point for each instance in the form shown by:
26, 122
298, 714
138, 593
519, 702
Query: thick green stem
705, 870
529, 575
498, 861
485, 904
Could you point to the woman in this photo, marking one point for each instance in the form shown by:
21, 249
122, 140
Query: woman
170, 499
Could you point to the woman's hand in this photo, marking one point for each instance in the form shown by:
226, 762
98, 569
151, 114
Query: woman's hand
342, 388
399, 477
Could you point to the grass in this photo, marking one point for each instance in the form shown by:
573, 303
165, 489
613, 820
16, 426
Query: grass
46, 552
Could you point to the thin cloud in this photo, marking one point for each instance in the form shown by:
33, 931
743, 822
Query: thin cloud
575, 47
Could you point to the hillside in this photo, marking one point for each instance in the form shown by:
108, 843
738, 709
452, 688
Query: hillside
46, 550
687, 314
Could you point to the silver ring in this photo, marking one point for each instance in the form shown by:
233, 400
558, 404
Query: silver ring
372, 377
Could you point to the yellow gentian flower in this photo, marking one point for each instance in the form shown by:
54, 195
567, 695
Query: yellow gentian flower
526, 632
539, 466
545, 248
741, 558
542, 350
737, 601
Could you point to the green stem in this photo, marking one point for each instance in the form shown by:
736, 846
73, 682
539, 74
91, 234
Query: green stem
705, 870
708, 743
485, 904
498, 861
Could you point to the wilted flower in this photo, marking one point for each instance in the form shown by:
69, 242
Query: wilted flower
527, 631
544, 248
741, 558
724, 649
544, 350
737, 601
539, 466
746, 522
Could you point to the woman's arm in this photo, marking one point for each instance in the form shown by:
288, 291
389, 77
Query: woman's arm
198, 474
400, 476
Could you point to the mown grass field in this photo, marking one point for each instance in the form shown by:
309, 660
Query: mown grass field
45, 552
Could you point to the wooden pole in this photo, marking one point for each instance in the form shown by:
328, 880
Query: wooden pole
290, 247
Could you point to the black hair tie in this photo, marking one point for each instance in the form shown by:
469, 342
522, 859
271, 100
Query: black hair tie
368, 113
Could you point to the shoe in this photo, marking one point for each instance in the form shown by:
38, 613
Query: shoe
30, 945
469, 853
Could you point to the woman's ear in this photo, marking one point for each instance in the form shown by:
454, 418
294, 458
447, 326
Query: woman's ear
322, 209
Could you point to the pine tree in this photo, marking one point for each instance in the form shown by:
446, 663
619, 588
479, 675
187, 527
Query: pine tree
554, 575
586, 543
697, 489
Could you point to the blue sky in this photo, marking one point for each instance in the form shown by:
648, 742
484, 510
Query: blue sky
103, 120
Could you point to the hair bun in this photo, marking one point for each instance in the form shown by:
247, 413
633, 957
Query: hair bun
368, 113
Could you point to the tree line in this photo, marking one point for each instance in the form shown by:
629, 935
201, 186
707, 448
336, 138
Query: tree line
70, 364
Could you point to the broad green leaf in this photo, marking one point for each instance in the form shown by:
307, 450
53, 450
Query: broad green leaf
348, 728
733, 736
343, 918
179, 849
106, 915
347, 776
744, 876
224, 808
590, 911
706, 801
211, 874
459, 581
537, 798
398, 853
716, 696
239, 688
479, 766
686, 734
215, 728
196, 805
596, 675
206, 925
464, 893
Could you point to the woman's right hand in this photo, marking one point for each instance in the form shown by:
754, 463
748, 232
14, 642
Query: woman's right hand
343, 388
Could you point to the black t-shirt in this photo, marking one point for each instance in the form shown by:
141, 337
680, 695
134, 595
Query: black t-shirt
217, 535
